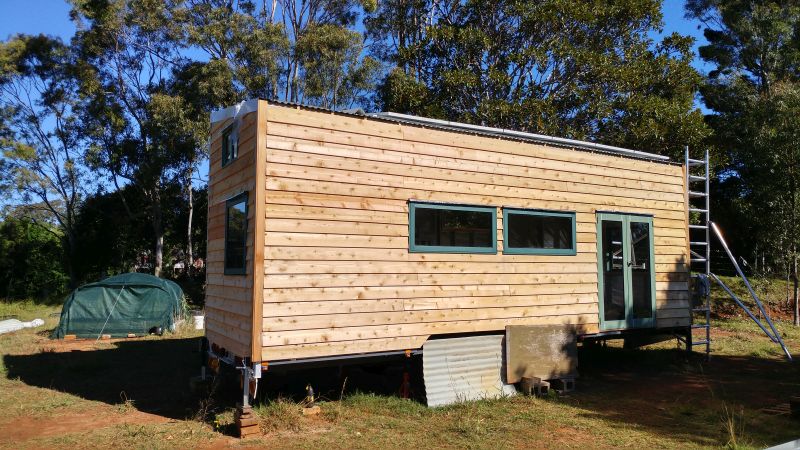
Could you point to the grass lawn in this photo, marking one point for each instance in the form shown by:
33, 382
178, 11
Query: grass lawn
135, 393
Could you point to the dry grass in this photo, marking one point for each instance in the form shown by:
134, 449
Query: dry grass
135, 394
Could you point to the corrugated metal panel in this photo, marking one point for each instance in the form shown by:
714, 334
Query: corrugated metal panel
462, 369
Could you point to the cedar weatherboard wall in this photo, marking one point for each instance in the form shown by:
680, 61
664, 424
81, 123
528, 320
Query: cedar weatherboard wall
338, 276
229, 298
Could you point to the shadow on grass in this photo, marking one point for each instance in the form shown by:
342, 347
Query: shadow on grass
152, 374
379, 376
681, 395
663, 391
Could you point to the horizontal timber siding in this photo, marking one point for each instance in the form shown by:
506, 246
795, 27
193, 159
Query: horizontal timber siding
338, 277
229, 298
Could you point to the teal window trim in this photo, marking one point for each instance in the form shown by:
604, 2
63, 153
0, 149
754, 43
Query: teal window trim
413, 248
539, 251
228, 203
227, 142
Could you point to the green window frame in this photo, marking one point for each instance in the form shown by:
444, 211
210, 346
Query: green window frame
235, 265
230, 146
630, 322
412, 214
538, 251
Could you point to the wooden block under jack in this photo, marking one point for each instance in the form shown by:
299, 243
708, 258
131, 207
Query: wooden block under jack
244, 422
245, 432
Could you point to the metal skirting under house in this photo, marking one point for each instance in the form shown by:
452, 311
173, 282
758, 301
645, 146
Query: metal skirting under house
462, 369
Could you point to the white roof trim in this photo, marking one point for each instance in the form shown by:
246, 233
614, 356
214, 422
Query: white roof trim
235, 111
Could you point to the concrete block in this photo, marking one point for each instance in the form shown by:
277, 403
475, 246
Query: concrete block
563, 385
534, 386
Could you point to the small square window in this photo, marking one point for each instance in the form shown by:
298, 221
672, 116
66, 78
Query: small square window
538, 232
236, 235
452, 228
230, 146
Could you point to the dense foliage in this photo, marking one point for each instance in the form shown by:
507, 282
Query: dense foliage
587, 70
754, 92
31, 260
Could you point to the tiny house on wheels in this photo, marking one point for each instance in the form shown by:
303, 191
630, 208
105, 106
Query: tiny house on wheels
338, 234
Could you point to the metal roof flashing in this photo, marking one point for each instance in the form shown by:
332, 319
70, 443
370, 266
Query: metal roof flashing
235, 111
518, 135
250, 105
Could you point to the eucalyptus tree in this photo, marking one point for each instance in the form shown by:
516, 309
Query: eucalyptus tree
243, 45
139, 129
576, 69
40, 139
333, 73
293, 50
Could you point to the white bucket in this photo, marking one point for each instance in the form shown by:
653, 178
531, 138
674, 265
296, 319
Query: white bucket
199, 322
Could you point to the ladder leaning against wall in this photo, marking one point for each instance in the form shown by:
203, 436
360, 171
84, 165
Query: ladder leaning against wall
701, 228
697, 190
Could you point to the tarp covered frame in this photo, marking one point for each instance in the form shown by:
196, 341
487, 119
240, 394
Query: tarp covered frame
131, 303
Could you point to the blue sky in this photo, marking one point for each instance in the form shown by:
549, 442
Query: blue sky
34, 17
52, 17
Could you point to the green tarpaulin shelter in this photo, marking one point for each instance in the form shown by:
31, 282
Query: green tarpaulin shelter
131, 303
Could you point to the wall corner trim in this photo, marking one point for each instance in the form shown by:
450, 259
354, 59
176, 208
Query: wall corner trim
259, 228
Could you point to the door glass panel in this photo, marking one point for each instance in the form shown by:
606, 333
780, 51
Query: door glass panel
641, 292
613, 271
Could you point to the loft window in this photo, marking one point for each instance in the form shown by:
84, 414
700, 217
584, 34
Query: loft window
538, 232
236, 235
452, 228
230, 146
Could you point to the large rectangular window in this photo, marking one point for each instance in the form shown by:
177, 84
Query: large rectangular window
230, 146
236, 235
538, 232
452, 228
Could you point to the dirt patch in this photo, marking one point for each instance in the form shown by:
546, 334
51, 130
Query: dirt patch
60, 345
23, 429
569, 437
724, 308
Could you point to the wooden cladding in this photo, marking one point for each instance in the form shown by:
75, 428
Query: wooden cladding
338, 276
229, 292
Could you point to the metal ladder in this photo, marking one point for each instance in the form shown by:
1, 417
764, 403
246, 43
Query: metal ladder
697, 189
700, 231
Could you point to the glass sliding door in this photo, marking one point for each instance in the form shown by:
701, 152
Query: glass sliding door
613, 255
641, 258
625, 271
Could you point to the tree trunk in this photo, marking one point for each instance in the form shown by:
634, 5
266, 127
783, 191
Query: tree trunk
70, 259
189, 250
793, 236
796, 289
788, 292
158, 232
